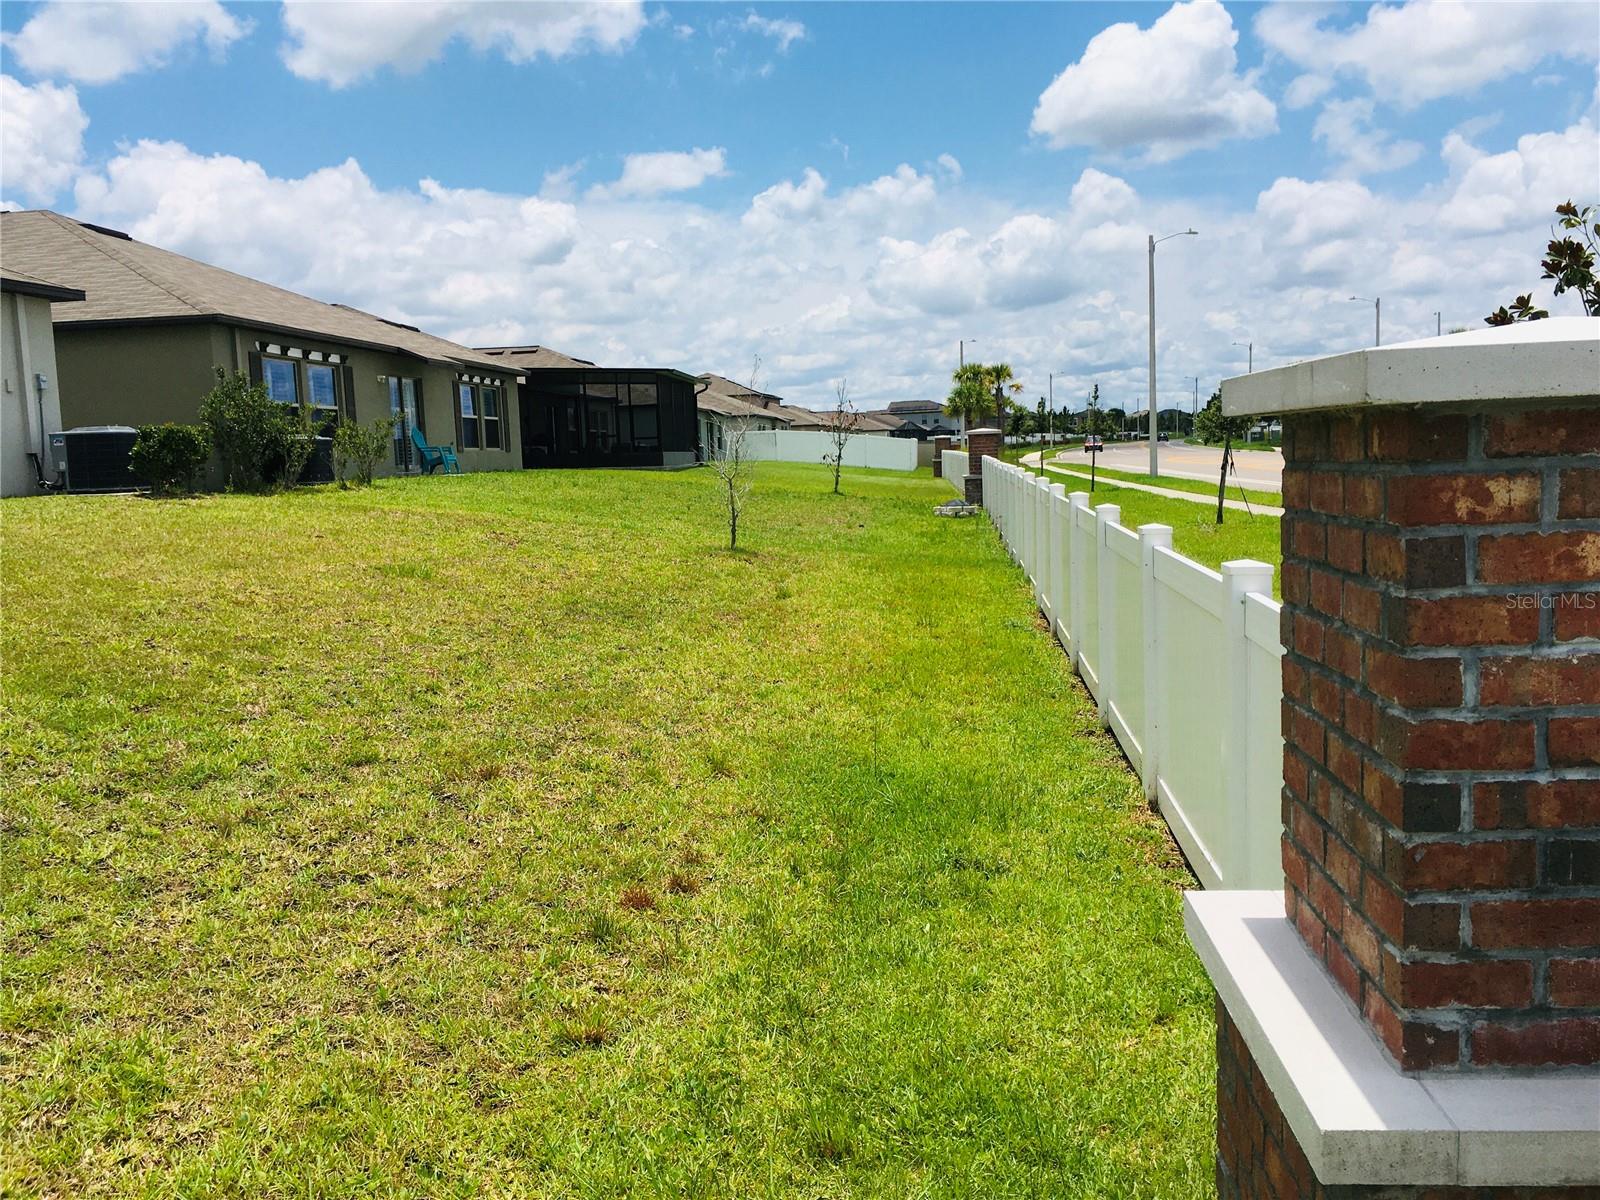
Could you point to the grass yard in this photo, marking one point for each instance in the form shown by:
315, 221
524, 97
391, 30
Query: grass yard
505, 836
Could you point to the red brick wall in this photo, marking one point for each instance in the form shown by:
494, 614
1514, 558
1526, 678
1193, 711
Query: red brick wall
940, 445
1258, 1157
1441, 619
980, 444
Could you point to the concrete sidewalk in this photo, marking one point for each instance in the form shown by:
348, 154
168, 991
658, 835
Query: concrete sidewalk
1196, 497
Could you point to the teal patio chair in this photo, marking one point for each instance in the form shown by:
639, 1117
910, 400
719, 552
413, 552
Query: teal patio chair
435, 456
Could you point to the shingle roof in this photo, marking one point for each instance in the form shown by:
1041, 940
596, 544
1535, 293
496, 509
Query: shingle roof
729, 406
28, 284
910, 406
130, 281
532, 358
731, 387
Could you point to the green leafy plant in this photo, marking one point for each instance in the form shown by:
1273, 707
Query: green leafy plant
979, 391
170, 457
303, 425
1569, 261
1211, 427
358, 449
261, 443
247, 427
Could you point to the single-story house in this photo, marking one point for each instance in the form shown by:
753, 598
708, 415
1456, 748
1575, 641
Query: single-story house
719, 402
573, 413
30, 407
143, 343
923, 419
798, 419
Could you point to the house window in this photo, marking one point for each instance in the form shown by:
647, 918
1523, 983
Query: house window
469, 416
281, 376
320, 388
489, 404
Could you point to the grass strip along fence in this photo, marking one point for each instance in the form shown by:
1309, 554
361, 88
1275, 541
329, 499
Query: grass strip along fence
1182, 660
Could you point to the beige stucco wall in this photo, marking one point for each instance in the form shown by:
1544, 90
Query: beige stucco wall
27, 348
135, 375
146, 374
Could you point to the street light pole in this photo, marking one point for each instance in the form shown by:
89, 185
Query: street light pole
1154, 241
1250, 356
1438, 324
961, 350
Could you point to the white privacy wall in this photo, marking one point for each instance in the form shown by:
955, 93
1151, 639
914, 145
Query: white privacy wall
953, 467
812, 446
1183, 662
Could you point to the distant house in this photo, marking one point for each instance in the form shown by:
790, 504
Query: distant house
32, 399
793, 416
716, 410
574, 413
142, 342
922, 419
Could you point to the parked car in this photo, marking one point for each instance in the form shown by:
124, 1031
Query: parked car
1091, 444
1163, 437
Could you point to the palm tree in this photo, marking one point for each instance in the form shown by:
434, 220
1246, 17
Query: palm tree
980, 389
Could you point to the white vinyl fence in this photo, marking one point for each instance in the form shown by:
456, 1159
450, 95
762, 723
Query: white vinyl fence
953, 467
1182, 661
810, 446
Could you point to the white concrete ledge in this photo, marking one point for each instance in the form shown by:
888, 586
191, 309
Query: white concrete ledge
1357, 1116
1553, 359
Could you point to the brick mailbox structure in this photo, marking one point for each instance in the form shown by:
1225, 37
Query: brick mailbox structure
981, 443
941, 443
1418, 1014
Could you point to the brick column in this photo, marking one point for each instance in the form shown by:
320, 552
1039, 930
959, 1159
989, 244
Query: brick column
940, 445
1441, 714
981, 443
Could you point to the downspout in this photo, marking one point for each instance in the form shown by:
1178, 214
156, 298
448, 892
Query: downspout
700, 389
29, 380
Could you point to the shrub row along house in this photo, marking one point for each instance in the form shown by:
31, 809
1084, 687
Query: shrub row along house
139, 333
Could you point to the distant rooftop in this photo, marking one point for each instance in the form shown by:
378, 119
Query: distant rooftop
1554, 359
532, 358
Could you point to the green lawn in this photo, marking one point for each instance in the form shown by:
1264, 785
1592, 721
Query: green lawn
503, 835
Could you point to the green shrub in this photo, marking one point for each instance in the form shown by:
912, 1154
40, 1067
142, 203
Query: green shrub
170, 457
261, 443
359, 449
302, 426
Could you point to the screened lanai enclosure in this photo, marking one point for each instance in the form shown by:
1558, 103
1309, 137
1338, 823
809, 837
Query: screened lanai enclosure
604, 417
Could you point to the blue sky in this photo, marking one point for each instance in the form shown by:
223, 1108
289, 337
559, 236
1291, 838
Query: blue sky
843, 189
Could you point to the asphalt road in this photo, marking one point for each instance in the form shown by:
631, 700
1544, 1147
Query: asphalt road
1261, 469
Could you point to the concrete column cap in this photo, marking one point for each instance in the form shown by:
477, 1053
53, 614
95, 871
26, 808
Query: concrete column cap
1554, 359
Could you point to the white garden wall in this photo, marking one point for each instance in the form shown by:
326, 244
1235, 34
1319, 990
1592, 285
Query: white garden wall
812, 446
1183, 662
953, 468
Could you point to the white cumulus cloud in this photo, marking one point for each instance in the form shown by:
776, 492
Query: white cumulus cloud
100, 42
1166, 90
1492, 193
339, 43
1346, 128
41, 139
1425, 49
664, 171
783, 30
